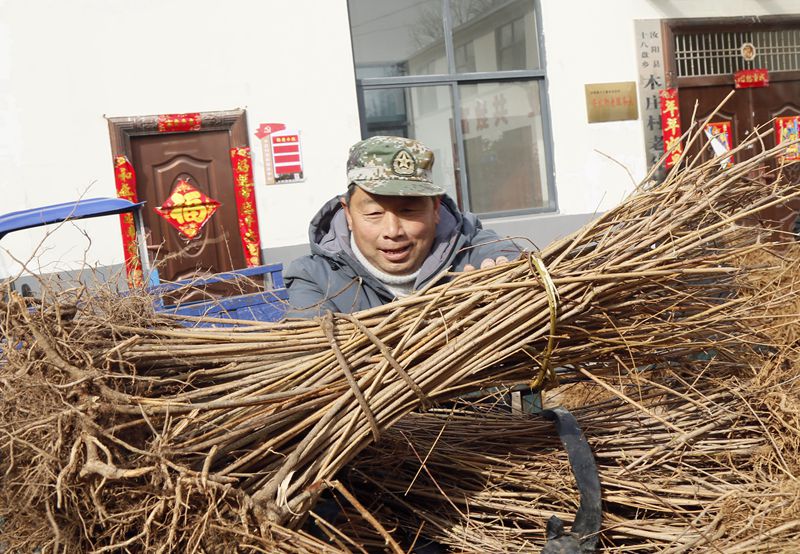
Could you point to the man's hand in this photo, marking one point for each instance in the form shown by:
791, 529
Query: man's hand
488, 262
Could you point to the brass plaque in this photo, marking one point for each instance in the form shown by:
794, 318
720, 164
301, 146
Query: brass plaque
611, 102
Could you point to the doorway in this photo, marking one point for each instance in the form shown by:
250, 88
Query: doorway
702, 56
182, 168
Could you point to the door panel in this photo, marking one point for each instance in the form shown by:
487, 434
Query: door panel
736, 110
202, 159
748, 109
780, 98
777, 99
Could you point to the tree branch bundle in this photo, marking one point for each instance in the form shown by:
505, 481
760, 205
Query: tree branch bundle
123, 428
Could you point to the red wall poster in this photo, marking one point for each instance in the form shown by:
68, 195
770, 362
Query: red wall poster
281, 152
786, 130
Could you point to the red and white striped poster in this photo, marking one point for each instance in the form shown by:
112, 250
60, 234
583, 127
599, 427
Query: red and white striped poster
282, 153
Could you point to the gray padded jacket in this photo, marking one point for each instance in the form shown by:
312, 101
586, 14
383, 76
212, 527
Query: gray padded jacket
331, 279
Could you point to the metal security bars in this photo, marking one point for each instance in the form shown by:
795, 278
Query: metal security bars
700, 54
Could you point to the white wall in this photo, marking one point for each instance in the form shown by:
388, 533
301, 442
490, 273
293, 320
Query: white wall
66, 64
593, 42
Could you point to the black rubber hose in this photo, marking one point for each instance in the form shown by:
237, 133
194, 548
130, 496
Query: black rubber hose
584, 535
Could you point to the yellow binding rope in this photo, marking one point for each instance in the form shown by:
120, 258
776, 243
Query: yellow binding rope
536, 264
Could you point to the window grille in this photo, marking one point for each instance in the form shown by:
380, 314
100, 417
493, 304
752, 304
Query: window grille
700, 54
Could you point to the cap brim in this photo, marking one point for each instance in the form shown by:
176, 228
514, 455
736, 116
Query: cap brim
400, 187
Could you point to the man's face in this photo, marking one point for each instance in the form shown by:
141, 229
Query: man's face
395, 233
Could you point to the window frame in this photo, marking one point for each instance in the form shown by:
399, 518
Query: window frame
452, 80
468, 48
514, 45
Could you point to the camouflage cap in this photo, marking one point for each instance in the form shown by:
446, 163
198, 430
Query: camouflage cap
392, 166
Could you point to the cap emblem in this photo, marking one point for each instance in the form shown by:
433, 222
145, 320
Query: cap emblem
404, 164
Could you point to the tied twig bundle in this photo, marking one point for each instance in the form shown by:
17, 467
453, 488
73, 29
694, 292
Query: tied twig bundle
273, 412
706, 458
710, 465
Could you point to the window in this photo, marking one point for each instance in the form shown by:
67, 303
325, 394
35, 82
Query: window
464, 77
504, 146
385, 112
465, 58
510, 45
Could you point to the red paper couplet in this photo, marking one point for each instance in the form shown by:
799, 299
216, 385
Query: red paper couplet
245, 204
671, 125
125, 180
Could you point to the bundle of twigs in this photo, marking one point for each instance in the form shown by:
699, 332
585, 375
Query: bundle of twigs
272, 412
706, 464
703, 455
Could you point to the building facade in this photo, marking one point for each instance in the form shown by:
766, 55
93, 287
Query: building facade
250, 109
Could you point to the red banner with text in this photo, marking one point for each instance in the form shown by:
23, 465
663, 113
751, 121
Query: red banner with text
671, 125
246, 204
178, 122
125, 180
751, 78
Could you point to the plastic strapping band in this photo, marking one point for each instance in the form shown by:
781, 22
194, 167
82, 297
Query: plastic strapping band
537, 264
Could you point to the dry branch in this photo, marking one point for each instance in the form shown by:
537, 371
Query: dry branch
712, 473
122, 428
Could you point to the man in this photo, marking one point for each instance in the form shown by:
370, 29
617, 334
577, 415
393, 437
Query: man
391, 234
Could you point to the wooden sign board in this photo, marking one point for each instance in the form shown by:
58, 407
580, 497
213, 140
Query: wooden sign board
611, 102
